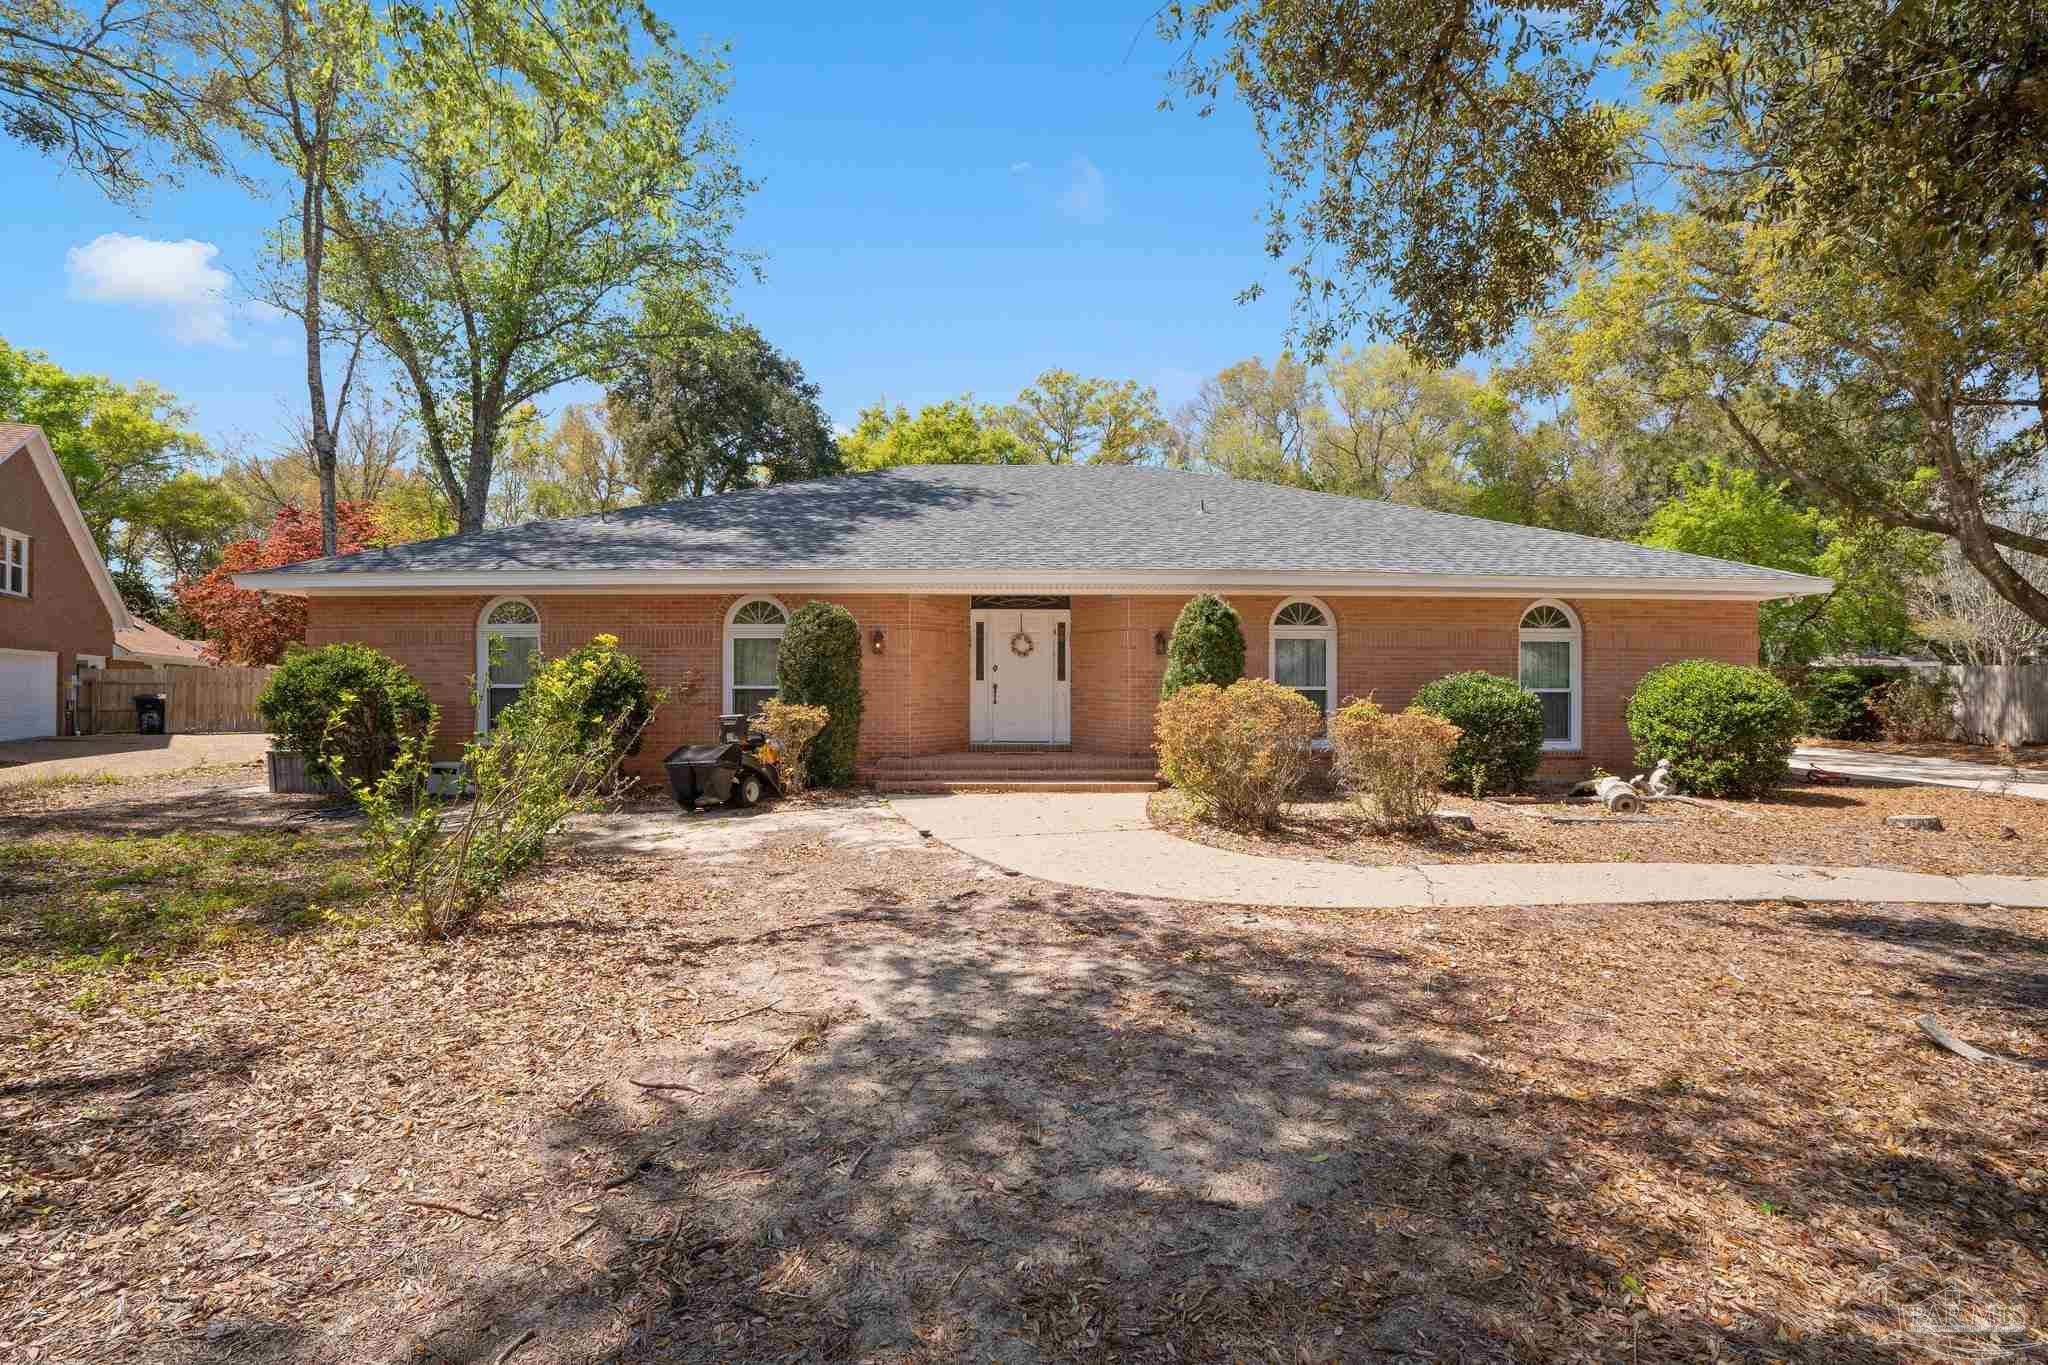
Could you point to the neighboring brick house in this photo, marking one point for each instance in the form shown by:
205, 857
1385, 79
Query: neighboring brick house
1025, 608
59, 610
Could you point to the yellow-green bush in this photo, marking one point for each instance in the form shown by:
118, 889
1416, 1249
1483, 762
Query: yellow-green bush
791, 726
1393, 762
1239, 752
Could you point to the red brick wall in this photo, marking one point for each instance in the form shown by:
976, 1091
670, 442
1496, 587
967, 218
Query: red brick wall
917, 688
1390, 646
63, 611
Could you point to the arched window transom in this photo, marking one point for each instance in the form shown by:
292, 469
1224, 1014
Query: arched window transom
753, 647
1303, 648
1551, 667
507, 651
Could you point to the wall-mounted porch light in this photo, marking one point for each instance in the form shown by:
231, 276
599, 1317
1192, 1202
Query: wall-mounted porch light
875, 637
1159, 643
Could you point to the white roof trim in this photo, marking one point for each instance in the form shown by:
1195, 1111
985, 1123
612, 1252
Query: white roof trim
59, 487
1289, 582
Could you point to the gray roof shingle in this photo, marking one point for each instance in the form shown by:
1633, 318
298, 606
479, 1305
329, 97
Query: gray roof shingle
1050, 518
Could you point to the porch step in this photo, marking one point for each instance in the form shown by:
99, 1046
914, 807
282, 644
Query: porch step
913, 786
1028, 770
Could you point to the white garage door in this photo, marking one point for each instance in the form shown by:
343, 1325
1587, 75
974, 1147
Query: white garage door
28, 694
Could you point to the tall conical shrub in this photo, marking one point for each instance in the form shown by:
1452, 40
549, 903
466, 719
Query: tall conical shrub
819, 665
1207, 646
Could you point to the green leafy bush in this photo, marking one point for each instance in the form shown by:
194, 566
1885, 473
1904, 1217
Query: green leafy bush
1393, 762
1501, 725
1839, 701
819, 665
1241, 752
443, 865
345, 707
617, 697
1207, 646
1917, 707
1728, 729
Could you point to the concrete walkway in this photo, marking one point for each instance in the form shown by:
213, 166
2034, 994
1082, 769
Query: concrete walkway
1927, 772
123, 756
1106, 842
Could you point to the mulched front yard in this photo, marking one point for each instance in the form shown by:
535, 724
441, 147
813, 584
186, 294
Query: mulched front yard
832, 1093
1831, 826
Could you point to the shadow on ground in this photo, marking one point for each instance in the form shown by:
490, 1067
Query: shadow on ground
1049, 1128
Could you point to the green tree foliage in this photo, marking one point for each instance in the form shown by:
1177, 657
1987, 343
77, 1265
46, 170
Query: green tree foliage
1439, 168
956, 431
1838, 701
819, 665
116, 443
1501, 729
1063, 418
1207, 646
1379, 423
572, 469
296, 78
539, 169
345, 705
707, 405
1728, 729
180, 527
107, 89
1736, 514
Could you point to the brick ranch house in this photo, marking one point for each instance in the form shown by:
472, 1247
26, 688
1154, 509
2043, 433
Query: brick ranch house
1015, 617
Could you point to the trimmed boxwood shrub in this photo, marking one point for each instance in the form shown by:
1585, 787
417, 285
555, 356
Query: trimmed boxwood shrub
819, 665
1207, 646
1839, 701
1502, 725
1728, 729
616, 699
346, 704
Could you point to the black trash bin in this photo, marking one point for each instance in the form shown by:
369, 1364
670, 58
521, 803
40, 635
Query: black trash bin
149, 713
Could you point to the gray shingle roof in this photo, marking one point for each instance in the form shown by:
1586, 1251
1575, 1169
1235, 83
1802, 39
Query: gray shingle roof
1050, 518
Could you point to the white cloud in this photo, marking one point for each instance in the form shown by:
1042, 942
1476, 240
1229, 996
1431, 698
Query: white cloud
1019, 167
176, 279
1085, 198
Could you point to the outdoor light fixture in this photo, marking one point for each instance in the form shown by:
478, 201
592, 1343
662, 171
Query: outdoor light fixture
1159, 643
876, 637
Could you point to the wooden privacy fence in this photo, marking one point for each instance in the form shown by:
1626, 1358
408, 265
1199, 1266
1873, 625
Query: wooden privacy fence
201, 699
2002, 703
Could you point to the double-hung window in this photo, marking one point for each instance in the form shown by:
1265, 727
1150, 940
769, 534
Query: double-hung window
753, 647
1304, 650
507, 651
13, 563
1550, 667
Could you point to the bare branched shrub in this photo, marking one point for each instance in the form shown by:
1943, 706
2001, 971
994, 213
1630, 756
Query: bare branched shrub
1240, 753
1392, 763
1917, 707
443, 862
790, 727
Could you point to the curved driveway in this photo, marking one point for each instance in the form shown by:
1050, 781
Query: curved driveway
1106, 842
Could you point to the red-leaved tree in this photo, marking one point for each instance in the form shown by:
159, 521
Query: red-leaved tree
248, 627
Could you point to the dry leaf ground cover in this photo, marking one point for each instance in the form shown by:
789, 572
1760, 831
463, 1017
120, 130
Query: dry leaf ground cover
800, 1086
1832, 826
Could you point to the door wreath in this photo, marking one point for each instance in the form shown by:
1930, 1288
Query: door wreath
1022, 644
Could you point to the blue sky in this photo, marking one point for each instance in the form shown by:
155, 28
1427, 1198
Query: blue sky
949, 201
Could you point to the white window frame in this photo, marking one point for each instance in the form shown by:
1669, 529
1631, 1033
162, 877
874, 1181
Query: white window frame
9, 541
1326, 632
485, 633
734, 631
1575, 637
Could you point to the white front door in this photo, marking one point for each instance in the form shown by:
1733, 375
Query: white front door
1018, 663
28, 694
